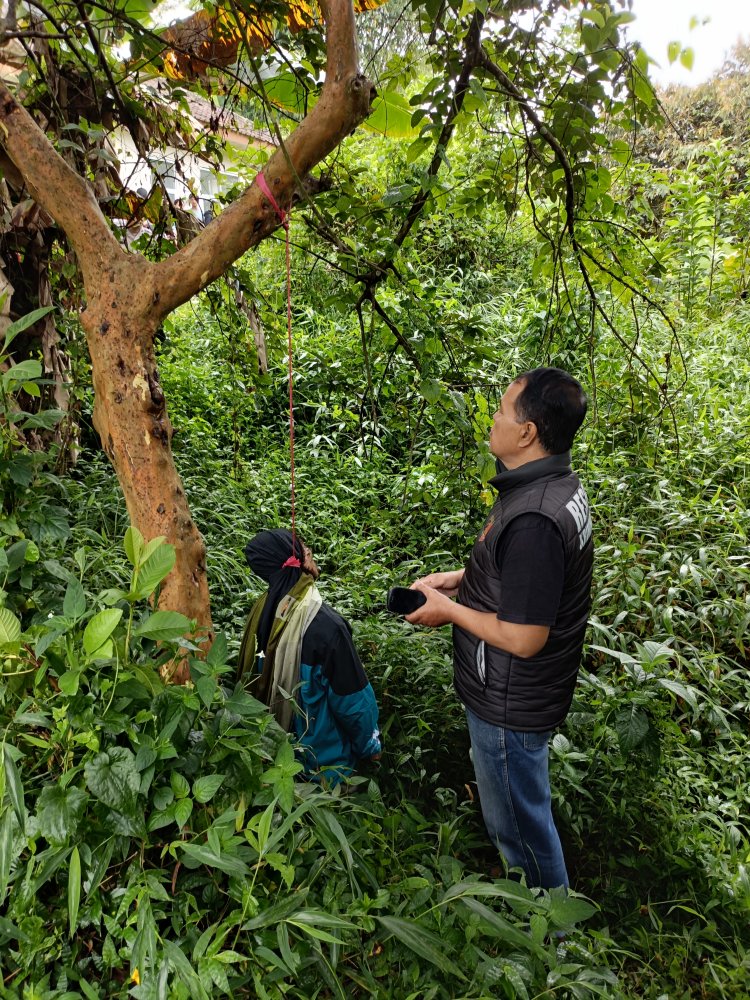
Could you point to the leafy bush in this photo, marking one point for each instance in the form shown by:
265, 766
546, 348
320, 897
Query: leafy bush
154, 841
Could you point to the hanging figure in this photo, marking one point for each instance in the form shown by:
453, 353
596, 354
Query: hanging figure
298, 656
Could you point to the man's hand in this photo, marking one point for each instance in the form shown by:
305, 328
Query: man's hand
520, 640
438, 609
444, 583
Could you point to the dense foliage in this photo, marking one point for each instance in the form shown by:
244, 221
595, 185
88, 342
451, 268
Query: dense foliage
156, 841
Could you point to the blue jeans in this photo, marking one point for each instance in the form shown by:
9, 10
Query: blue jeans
513, 780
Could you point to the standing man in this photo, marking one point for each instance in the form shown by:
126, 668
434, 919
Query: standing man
520, 617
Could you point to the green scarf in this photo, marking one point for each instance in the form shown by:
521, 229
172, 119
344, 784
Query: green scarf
247, 668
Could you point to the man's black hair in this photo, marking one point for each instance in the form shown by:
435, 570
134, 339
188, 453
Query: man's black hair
555, 401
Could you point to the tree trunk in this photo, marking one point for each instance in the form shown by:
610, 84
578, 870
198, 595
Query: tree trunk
130, 416
128, 296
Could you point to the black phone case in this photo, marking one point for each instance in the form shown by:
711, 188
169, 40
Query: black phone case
402, 601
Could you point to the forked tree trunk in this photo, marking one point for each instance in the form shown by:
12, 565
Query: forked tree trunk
128, 297
130, 416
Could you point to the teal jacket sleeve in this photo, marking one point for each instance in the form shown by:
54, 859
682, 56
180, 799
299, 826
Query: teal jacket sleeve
357, 714
350, 694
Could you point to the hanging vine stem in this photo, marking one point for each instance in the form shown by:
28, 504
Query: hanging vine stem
368, 371
579, 251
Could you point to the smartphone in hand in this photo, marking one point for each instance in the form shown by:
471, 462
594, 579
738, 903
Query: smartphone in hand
403, 601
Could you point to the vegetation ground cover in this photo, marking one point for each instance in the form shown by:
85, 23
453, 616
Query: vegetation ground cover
155, 839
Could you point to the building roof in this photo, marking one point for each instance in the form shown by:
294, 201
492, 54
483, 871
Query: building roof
226, 120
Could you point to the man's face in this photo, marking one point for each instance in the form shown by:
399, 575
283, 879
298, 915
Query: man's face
506, 429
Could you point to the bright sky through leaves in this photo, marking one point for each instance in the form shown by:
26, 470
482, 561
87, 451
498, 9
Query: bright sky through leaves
660, 22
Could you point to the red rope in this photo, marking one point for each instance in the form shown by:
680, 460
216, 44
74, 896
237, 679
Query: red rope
284, 220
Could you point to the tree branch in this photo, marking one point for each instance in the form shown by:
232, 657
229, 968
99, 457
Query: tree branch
543, 131
62, 192
344, 102
473, 58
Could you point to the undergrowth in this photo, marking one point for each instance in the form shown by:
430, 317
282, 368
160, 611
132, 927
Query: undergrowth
154, 840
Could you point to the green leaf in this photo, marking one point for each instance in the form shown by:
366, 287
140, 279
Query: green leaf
14, 788
423, 942
22, 372
44, 420
502, 928
7, 855
566, 910
99, 629
59, 811
228, 863
219, 651
687, 58
164, 626
184, 970
68, 682
286, 90
206, 688
74, 890
180, 785
23, 323
155, 568
391, 115
10, 628
673, 51
632, 724
133, 544
74, 604
432, 390
206, 787
519, 897
183, 811
114, 779
276, 913
417, 148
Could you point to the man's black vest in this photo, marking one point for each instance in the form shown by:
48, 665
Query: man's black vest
534, 694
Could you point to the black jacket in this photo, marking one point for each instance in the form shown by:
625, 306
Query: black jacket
533, 694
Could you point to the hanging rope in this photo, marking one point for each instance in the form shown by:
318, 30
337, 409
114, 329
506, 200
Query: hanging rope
284, 220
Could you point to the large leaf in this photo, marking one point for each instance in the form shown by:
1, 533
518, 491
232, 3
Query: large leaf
185, 971
425, 943
502, 928
74, 890
206, 787
228, 863
164, 626
10, 628
155, 568
391, 115
632, 724
7, 855
287, 91
22, 372
100, 628
517, 895
114, 779
24, 323
59, 811
74, 604
14, 788
133, 544
566, 910
44, 420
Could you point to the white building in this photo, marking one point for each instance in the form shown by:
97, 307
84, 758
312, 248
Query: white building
189, 180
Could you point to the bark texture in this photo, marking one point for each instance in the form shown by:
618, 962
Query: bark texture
127, 297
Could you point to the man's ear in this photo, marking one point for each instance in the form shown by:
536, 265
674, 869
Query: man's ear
529, 434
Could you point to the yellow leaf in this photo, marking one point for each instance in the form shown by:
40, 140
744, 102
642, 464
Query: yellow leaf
214, 39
